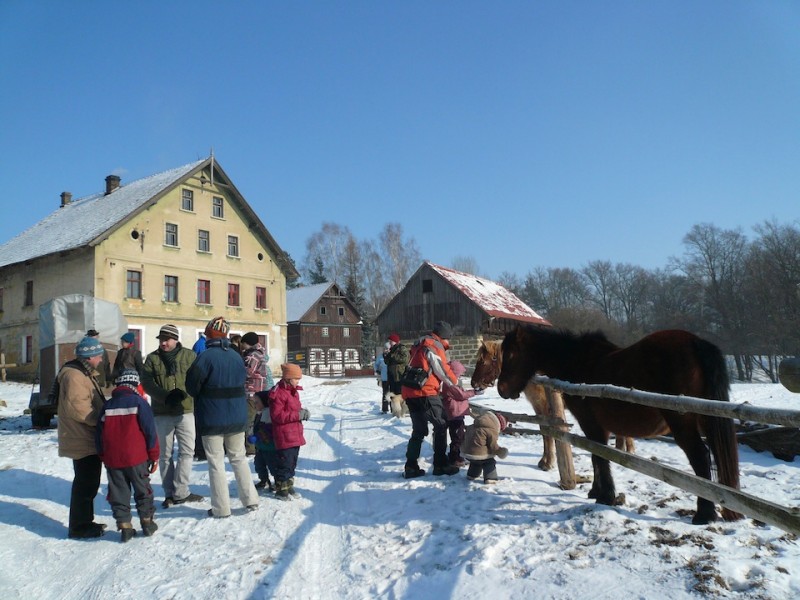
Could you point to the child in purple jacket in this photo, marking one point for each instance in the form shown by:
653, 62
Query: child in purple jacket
455, 400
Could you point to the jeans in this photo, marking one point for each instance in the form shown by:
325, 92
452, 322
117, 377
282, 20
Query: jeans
175, 475
217, 447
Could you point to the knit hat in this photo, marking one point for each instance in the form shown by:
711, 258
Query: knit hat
128, 337
457, 368
250, 338
443, 330
291, 371
168, 332
394, 338
217, 328
503, 421
92, 333
129, 377
88, 347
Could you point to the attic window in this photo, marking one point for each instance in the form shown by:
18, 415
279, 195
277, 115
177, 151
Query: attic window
134, 234
217, 208
323, 310
260, 257
427, 286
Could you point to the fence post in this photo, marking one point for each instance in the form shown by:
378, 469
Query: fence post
566, 468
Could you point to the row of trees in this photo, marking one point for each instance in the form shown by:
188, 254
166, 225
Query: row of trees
743, 294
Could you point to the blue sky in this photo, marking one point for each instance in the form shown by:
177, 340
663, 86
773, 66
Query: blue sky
521, 134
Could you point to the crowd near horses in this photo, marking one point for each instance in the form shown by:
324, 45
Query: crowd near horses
487, 369
668, 362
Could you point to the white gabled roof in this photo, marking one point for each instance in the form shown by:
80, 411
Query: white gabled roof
491, 297
83, 221
300, 300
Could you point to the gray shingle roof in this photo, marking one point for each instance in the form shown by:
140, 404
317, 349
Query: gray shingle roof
300, 300
82, 221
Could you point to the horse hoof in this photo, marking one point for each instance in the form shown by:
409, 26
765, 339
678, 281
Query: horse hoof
545, 465
704, 519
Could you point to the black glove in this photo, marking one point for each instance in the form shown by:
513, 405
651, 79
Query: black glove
175, 397
304, 414
151, 466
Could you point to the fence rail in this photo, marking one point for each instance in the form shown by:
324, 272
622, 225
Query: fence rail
786, 518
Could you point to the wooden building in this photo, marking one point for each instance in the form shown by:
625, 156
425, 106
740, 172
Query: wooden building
475, 307
323, 330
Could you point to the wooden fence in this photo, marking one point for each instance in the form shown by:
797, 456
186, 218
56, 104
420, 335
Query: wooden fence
786, 518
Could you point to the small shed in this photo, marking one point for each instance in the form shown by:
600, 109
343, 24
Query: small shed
323, 330
474, 306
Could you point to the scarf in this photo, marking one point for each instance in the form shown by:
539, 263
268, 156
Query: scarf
168, 358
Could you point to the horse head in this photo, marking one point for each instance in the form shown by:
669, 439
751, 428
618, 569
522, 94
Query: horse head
516, 364
487, 365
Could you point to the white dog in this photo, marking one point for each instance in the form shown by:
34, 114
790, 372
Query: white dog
399, 407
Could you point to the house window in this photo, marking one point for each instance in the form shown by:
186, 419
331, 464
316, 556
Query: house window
187, 200
170, 288
233, 245
28, 293
325, 332
427, 286
261, 297
171, 234
341, 311
203, 241
233, 294
203, 291
27, 350
346, 331
216, 207
323, 310
133, 284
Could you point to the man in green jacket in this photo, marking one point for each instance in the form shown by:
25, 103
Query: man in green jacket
164, 378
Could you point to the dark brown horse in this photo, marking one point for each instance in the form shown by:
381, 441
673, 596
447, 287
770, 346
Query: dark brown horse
487, 369
667, 362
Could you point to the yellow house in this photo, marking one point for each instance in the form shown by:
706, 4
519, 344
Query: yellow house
178, 247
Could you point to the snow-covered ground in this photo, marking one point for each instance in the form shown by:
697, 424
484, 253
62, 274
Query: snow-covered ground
361, 531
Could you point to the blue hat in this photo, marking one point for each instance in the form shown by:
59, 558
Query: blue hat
129, 377
128, 337
88, 347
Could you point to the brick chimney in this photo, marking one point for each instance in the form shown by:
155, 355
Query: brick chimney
112, 183
66, 198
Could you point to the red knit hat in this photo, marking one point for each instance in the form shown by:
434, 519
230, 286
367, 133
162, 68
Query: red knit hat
217, 328
503, 421
394, 338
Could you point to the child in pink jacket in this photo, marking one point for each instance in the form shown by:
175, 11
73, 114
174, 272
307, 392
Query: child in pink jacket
455, 400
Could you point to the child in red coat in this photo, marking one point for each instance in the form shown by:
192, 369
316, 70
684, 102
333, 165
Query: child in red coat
127, 443
287, 415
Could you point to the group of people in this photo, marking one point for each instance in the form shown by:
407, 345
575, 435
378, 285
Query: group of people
441, 402
216, 395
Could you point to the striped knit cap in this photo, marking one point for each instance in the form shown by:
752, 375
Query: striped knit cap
88, 347
217, 328
128, 377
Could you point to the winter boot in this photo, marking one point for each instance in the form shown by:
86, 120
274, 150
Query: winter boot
385, 406
292, 491
149, 526
412, 470
282, 490
445, 470
126, 532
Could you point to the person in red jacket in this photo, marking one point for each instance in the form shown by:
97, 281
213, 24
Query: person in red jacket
287, 415
425, 404
127, 443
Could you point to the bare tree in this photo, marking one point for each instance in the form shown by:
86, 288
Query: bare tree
600, 276
466, 264
327, 247
401, 256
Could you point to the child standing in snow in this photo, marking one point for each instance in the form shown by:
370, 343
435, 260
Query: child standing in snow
127, 443
287, 415
455, 400
481, 446
266, 457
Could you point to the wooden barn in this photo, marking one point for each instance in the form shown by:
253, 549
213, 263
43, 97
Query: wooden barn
323, 330
475, 307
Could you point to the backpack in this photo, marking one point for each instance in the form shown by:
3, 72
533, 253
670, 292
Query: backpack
415, 377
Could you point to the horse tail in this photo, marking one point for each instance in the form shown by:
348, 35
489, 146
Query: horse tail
720, 431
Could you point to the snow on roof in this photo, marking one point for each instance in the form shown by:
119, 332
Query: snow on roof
491, 297
300, 300
78, 223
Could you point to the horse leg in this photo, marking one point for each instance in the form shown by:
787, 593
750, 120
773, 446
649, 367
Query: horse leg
537, 398
624, 443
689, 440
548, 453
603, 490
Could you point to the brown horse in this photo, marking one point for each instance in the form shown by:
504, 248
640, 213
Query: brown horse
487, 368
667, 362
